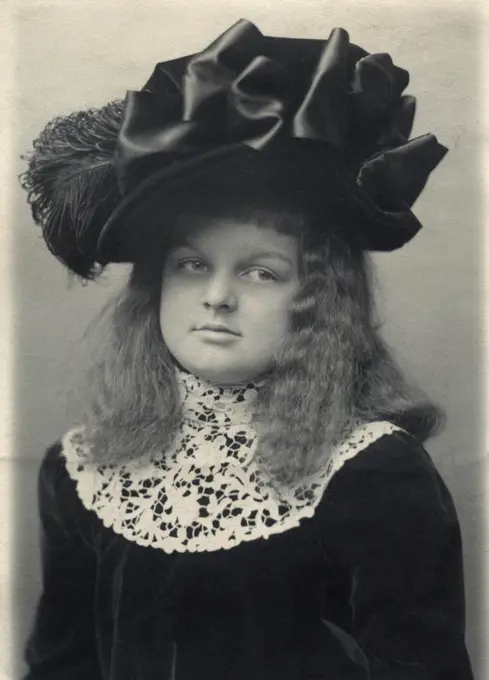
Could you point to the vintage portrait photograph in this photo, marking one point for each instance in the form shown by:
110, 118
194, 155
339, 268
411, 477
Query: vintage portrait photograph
248, 406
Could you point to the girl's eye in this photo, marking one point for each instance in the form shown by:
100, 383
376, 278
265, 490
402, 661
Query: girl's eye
196, 266
262, 275
192, 265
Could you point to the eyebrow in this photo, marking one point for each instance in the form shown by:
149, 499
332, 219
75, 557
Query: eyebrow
258, 255
268, 255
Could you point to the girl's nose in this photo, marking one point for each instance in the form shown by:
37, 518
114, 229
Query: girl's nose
219, 294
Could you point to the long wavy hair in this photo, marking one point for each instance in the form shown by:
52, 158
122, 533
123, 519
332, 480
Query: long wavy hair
333, 370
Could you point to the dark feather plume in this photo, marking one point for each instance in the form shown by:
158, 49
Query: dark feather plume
71, 183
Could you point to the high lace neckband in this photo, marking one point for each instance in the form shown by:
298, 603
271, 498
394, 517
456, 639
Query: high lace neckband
209, 403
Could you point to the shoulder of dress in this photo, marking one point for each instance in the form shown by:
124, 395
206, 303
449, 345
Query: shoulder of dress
362, 438
57, 493
393, 470
73, 451
386, 447
52, 469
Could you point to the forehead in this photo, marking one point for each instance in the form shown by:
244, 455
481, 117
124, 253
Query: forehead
242, 234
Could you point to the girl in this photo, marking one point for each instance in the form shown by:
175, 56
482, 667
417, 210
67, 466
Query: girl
247, 495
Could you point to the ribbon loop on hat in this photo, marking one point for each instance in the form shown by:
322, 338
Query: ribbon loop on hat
373, 84
257, 103
398, 176
210, 73
323, 113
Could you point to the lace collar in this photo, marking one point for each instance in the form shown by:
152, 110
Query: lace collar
206, 493
205, 402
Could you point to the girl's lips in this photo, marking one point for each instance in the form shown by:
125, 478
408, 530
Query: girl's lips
217, 329
216, 335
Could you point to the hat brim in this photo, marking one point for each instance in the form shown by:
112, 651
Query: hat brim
141, 223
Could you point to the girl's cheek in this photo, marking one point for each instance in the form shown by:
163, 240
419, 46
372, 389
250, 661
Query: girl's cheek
173, 287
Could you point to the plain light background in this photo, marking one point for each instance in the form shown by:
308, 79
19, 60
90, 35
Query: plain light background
71, 56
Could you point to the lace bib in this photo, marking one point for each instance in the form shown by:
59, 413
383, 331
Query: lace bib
206, 493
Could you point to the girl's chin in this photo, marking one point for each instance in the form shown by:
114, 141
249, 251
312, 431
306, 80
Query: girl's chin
220, 374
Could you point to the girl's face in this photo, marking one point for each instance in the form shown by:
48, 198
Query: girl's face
225, 296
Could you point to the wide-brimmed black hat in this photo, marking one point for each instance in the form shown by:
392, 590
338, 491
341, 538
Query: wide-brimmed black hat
320, 125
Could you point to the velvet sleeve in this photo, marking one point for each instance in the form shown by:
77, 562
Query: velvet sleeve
62, 643
390, 525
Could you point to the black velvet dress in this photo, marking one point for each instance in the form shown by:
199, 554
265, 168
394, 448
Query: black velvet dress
368, 587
